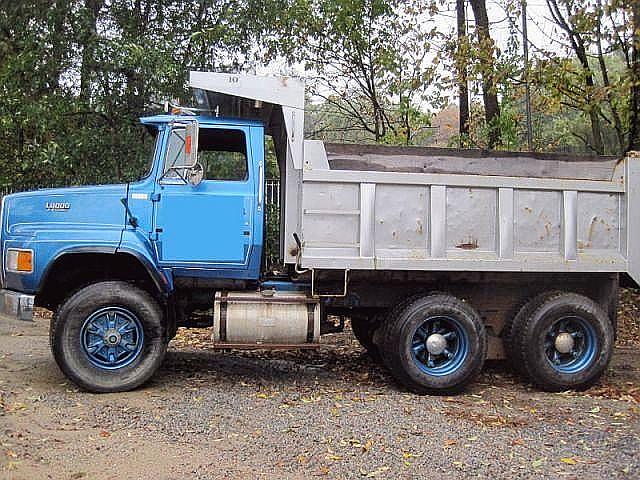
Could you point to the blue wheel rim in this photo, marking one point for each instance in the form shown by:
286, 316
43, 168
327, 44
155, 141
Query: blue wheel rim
111, 338
583, 344
455, 351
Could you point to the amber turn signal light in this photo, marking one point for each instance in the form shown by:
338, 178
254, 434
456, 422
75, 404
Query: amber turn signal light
25, 261
19, 260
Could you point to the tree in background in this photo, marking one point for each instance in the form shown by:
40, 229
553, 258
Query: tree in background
571, 20
634, 107
366, 60
486, 61
598, 82
76, 75
33, 57
461, 60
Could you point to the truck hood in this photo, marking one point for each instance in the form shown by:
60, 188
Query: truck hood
77, 208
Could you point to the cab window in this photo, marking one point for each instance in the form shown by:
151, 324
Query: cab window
221, 151
223, 154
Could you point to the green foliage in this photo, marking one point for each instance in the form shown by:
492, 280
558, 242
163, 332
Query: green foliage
581, 87
594, 76
75, 76
272, 238
564, 106
366, 62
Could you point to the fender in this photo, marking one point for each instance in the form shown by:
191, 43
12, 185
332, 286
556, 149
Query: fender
136, 244
159, 280
67, 251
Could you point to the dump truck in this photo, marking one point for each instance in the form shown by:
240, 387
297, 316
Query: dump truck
438, 258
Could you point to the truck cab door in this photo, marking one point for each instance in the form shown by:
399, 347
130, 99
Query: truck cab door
216, 224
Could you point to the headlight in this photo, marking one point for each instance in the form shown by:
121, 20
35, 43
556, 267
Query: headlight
20, 261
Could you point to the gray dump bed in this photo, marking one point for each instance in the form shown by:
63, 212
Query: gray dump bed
371, 207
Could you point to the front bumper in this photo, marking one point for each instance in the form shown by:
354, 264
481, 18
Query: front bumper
16, 305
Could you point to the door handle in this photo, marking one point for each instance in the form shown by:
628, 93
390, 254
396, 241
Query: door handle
260, 185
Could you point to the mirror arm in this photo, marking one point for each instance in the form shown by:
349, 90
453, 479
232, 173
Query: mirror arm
133, 221
177, 171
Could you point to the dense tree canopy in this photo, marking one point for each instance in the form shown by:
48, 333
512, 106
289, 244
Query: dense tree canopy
76, 75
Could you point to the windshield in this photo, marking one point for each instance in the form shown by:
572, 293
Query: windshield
145, 154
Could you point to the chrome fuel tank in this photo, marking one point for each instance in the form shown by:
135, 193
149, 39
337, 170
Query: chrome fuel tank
268, 317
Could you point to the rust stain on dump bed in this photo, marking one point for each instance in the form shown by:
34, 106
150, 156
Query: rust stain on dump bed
470, 245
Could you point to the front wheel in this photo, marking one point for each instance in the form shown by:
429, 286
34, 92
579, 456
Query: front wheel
434, 344
108, 337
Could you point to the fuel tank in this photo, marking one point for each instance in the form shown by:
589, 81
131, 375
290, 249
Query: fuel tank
267, 317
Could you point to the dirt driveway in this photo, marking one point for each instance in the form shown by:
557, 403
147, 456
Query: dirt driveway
330, 413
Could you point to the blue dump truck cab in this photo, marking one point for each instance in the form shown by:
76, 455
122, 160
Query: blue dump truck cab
437, 258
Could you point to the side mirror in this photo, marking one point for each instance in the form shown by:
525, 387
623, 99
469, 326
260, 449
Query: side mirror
191, 143
195, 175
184, 152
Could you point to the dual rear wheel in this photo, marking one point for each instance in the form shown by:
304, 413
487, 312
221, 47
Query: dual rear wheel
438, 344
560, 341
431, 344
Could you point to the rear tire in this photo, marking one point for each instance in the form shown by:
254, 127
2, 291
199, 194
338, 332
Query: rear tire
109, 337
563, 341
514, 326
434, 344
364, 330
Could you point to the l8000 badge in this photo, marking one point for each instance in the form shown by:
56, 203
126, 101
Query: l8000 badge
58, 206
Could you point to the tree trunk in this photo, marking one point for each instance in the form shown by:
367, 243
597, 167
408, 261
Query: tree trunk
463, 89
634, 133
59, 13
577, 43
489, 92
617, 121
594, 114
136, 24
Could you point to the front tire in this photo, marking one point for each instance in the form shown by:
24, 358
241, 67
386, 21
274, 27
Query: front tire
109, 337
434, 344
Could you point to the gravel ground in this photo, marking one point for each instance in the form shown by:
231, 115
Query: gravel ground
327, 413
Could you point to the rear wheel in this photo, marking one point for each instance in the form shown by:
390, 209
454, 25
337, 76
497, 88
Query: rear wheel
364, 330
514, 325
109, 337
434, 344
565, 341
